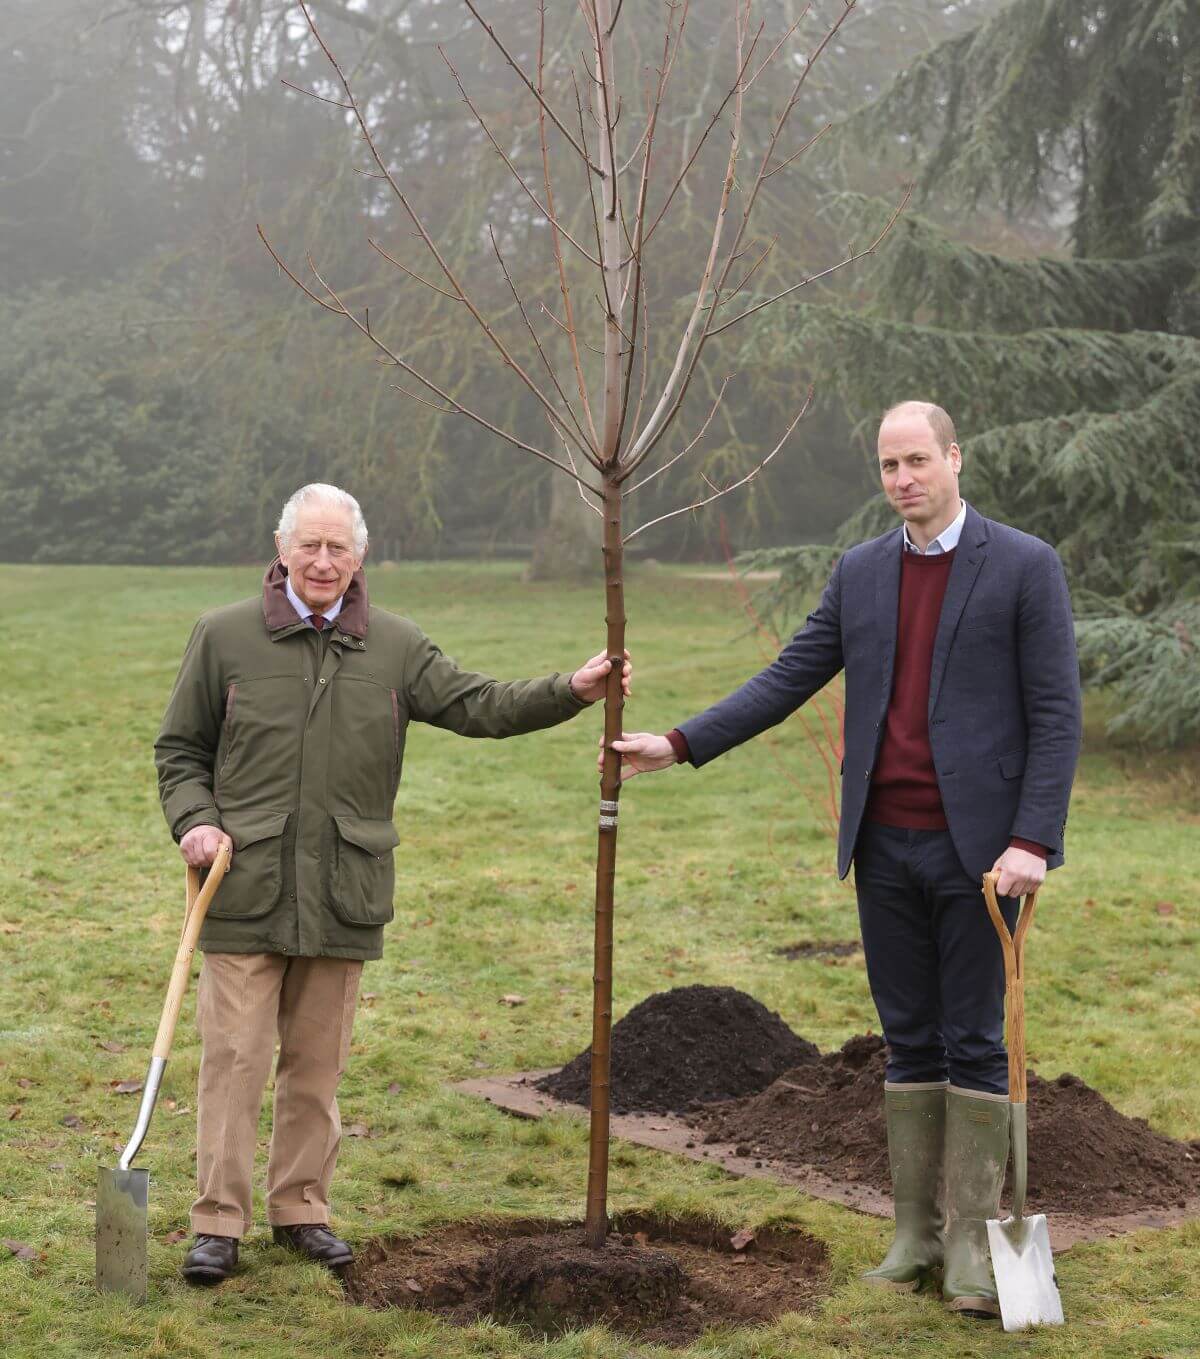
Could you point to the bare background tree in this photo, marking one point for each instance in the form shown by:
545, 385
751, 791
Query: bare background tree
609, 362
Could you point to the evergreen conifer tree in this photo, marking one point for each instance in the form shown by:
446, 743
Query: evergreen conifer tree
1075, 379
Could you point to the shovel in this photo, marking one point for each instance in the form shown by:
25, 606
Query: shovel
1025, 1280
122, 1194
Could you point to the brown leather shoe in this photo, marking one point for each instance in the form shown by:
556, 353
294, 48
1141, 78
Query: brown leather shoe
316, 1242
210, 1259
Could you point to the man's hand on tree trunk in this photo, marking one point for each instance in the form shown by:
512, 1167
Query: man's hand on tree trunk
591, 679
641, 753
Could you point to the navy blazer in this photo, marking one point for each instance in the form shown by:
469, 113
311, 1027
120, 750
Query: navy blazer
1004, 704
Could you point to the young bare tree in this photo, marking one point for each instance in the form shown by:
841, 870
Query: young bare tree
608, 419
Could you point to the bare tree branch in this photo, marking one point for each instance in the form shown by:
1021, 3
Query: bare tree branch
542, 104
549, 367
771, 55
682, 369
560, 264
537, 393
338, 307
516, 174
662, 416
687, 448
404, 269
712, 122
812, 141
724, 491
724, 301
851, 257
312, 94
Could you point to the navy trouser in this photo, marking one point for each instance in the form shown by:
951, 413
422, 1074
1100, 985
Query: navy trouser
933, 959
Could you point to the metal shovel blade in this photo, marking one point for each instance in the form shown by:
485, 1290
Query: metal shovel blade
121, 1224
1025, 1280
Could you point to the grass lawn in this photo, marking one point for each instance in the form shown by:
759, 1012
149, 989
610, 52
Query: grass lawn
494, 896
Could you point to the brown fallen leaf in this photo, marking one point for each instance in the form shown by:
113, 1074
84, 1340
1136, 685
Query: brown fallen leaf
125, 1087
394, 1088
24, 1082
111, 1045
14, 1111
369, 998
1165, 908
413, 1286
171, 1104
358, 1130
740, 1240
175, 1237
21, 1250
71, 1121
9, 927
512, 1000
641, 1238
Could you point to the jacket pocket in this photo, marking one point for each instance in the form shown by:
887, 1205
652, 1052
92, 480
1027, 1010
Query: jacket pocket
1012, 766
253, 885
365, 876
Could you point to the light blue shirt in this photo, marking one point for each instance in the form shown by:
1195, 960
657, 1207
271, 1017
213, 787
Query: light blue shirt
306, 613
946, 541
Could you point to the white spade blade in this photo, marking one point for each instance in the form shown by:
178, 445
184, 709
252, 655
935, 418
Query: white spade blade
1025, 1280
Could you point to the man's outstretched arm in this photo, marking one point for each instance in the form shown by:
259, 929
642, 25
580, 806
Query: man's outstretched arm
808, 662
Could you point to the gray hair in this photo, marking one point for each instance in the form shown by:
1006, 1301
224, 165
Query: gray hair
330, 495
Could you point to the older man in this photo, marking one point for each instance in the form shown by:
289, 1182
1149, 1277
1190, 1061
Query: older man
284, 739
962, 727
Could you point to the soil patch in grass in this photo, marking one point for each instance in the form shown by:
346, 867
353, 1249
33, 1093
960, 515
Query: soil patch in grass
688, 1046
1084, 1156
663, 1282
819, 948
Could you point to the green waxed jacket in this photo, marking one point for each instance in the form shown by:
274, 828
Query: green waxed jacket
292, 742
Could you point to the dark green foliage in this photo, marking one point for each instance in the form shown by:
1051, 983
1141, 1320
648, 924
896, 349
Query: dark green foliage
110, 454
1075, 382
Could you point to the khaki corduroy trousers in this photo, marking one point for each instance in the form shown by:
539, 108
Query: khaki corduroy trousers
245, 1003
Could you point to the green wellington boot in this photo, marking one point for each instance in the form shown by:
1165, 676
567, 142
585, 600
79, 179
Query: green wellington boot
916, 1123
976, 1156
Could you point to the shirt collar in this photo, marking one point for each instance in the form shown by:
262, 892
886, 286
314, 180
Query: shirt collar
946, 541
305, 612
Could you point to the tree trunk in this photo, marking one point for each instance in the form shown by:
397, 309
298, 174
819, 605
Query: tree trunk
596, 1224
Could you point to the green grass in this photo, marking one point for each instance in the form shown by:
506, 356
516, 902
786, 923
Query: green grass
494, 896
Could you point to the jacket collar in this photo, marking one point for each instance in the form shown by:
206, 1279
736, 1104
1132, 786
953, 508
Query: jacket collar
279, 614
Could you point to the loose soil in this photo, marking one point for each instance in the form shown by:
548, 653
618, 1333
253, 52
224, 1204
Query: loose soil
662, 1282
1084, 1156
819, 948
685, 1047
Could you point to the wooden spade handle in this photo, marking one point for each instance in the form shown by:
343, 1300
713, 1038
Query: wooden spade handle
1013, 946
198, 901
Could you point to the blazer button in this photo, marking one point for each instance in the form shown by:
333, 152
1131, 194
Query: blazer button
866, 773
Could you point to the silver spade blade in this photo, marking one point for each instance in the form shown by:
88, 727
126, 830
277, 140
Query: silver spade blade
1025, 1280
121, 1225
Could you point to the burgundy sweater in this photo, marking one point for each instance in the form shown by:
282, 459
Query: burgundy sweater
904, 788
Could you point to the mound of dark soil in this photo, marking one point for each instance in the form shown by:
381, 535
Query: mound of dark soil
685, 1047
1084, 1156
662, 1281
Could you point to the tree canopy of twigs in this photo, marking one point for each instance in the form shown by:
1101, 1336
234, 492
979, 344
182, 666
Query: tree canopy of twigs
608, 361
1075, 378
140, 142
